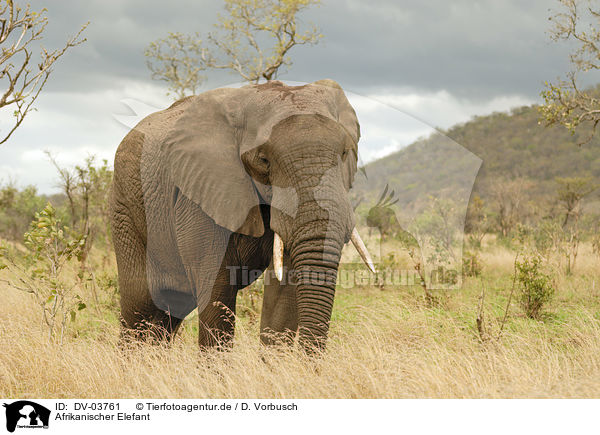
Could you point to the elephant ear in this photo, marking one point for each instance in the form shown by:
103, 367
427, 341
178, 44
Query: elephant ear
345, 113
203, 159
346, 117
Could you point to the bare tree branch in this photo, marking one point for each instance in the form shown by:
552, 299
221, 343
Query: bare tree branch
252, 40
565, 103
22, 81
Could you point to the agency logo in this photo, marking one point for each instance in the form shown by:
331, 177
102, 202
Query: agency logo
27, 415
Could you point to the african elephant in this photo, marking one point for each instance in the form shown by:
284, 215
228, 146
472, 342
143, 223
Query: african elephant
220, 186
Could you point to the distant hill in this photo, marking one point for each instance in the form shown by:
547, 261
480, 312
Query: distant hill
511, 145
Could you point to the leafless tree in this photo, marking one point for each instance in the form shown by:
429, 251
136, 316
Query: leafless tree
23, 75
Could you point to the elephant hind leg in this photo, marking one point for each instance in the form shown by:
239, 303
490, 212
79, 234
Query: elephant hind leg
140, 318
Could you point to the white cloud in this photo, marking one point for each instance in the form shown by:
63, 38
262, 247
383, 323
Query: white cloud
72, 126
442, 109
394, 120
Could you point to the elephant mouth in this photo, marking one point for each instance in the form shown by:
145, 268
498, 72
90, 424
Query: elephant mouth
359, 245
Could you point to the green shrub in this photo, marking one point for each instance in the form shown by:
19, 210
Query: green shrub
471, 264
536, 287
50, 250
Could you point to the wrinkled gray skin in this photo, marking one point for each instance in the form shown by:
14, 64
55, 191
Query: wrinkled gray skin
201, 187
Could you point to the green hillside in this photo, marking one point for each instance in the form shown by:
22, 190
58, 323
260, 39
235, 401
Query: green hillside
511, 146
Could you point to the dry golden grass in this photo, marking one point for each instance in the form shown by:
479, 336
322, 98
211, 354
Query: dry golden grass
383, 344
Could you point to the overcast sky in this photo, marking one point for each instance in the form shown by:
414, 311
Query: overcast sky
437, 62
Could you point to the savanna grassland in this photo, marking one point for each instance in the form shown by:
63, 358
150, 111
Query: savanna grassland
384, 343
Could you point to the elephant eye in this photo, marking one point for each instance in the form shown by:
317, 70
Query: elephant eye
263, 160
344, 154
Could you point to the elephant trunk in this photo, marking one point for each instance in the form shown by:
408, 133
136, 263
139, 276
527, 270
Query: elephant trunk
313, 223
316, 275
315, 251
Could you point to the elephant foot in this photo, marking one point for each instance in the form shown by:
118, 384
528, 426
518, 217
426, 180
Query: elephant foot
270, 337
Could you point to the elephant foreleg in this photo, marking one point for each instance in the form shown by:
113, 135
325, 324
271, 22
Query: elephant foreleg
216, 323
205, 250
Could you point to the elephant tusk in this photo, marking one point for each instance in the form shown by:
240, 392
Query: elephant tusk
278, 257
362, 250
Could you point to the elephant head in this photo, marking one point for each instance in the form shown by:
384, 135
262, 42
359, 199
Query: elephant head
291, 147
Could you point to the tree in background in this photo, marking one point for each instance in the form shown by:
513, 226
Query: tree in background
510, 201
253, 40
476, 221
565, 102
571, 192
86, 188
18, 209
177, 60
22, 74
